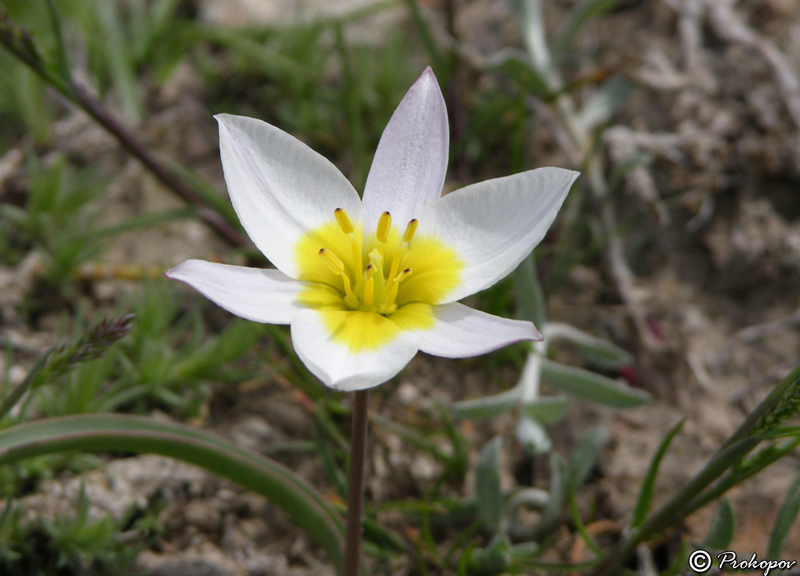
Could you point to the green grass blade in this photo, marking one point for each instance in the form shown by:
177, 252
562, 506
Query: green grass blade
648, 485
785, 521
135, 434
580, 15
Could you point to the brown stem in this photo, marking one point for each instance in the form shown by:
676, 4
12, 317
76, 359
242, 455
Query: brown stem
355, 486
19, 43
86, 100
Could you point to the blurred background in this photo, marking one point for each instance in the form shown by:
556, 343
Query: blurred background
679, 247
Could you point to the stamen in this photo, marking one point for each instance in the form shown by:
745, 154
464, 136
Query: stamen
410, 229
344, 220
388, 305
384, 225
337, 267
349, 298
332, 261
398, 255
403, 275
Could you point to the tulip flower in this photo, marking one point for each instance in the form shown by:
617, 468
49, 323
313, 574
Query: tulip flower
367, 284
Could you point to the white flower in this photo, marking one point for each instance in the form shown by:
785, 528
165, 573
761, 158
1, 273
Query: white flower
367, 284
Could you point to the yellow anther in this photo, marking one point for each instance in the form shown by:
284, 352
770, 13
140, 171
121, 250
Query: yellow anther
344, 220
410, 229
331, 261
384, 225
403, 275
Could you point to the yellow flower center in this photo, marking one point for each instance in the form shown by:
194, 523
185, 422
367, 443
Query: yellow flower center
370, 286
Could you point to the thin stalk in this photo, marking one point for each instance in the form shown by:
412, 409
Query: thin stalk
11, 400
86, 100
764, 407
355, 485
676, 507
20, 44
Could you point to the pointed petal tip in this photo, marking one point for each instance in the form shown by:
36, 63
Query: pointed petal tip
428, 76
171, 272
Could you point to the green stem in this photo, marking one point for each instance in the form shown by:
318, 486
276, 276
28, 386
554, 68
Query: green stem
734, 478
764, 407
355, 486
676, 507
18, 392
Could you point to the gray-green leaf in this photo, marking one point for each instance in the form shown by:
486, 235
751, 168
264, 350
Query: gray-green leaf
488, 492
592, 386
722, 526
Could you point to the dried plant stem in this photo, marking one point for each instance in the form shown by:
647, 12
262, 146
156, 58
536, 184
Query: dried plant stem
86, 100
18, 42
355, 485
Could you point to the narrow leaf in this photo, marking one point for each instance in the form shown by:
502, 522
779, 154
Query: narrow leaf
488, 492
591, 386
604, 103
516, 66
559, 489
785, 521
582, 13
118, 58
487, 407
547, 410
531, 24
135, 434
585, 455
645, 498
720, 533
596, 351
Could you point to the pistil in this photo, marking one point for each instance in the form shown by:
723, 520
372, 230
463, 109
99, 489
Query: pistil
389, 306
369, 287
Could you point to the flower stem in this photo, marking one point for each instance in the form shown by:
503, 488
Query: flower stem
355, 485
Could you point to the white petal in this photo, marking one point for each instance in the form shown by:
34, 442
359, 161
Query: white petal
411, 161
461, 332
279, 187
266, 296
330, 359
494, 224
